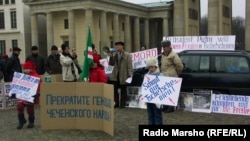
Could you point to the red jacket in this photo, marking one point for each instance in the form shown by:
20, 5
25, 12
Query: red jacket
98, 75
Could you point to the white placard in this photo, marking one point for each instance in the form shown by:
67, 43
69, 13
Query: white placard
161, 89
24, 86
231, 104
180, 43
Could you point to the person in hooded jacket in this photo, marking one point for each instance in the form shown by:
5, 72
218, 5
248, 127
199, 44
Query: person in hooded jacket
97, 73
29, 68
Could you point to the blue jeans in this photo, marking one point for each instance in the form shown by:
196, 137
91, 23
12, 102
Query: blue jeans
154, 114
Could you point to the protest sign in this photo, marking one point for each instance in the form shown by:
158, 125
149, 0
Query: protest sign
105, 62
77, 106
138, 59
24, 86
202, 100
180, 43
161, 89
185, 101
230, 104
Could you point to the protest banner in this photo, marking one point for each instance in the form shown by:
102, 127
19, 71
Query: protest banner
105, 62
138, 59
202, 100
24, 86
180, 43
230, 104
133, 98
161, 89
77, 105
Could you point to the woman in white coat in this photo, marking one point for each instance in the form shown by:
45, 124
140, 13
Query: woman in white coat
69, 69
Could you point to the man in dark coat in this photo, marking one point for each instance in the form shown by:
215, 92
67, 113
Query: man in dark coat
13, 65
37, 59
53, 65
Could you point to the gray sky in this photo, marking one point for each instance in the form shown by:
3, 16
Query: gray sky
238, 6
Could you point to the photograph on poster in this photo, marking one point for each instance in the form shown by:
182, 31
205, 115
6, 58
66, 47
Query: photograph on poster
185, 101
7, 88
11, 103
133, 100
202, 100
1, 88
1, 102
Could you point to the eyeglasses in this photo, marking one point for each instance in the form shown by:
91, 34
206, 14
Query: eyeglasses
151, 66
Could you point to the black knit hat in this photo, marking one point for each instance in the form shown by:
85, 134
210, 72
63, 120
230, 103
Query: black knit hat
34, 48
63, 46
54, 47
16, 49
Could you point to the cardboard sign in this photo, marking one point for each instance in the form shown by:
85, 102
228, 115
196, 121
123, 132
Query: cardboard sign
185, 101
77, 105
202, 100
161, 89
180, 43
231, 104
24, 86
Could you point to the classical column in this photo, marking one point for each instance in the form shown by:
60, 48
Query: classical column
127, 29
88, 19
34, 30
179, 19
115, 28
213, 17
72, 38
146, 32
136, 46
247, 32
104, 32
165, 27
50, 33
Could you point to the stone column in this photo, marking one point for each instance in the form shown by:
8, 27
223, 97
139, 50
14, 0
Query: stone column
136, 46
34, 30
146, 32
165, 27
213, 17
127, 33
247, 32
115, 28
88, 19
103, 28
50, 33
72, 36
179, 19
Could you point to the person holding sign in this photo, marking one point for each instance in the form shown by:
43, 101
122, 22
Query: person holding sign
171, 64
122, 70
153, 109
29, 68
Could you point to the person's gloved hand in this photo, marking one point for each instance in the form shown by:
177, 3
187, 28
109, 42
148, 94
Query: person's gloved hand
36, 96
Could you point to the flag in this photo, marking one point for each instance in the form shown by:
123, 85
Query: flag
88, 58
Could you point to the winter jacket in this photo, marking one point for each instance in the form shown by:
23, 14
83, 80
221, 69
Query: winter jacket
124, 68
97, 74
171, 64
13, 65
69, 69
53, 65
39, 62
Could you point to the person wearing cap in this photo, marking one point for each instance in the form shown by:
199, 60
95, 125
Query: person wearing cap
97, 73
29, 68
171, 65
53, 65
122, 70
154, 109
38, 60
69, 69
13, 65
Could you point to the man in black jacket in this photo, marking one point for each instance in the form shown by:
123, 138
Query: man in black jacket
53, 65
13, 65
38, 60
